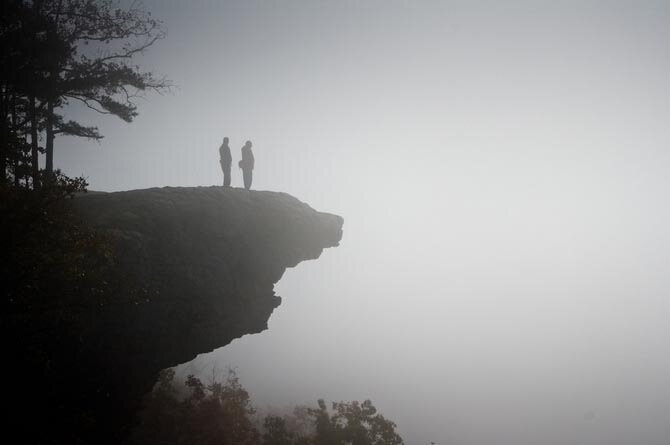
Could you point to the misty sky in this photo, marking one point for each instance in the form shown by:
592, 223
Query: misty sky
502, 168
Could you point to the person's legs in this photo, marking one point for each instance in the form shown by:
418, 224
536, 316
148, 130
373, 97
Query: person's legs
247, 178
226, 176
223, 170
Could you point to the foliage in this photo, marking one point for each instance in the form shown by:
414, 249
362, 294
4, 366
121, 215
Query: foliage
51, 260
276, 432
57, 52
103, 78
59, 281
353, 423
218, 413
221, 413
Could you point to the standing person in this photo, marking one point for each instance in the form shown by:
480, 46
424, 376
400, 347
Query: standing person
226, 160
247, 164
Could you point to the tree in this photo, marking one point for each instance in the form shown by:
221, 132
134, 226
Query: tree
102, 78
57, 52
58, 280
220, 413
276, 432
25, 52
51, 259
353, 423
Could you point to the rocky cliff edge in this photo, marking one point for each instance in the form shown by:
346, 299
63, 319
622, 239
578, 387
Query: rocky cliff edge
208, 258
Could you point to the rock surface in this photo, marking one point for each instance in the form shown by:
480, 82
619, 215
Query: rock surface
209, 257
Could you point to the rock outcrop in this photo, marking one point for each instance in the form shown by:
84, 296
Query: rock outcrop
208, 258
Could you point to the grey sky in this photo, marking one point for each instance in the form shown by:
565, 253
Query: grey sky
502, 168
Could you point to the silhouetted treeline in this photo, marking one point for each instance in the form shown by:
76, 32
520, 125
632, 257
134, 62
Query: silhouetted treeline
53, 53
57, 52
58, 277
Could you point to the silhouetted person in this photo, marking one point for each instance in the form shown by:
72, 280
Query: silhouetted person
247, 164
226, 161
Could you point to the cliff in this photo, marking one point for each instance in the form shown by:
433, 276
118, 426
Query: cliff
207, 259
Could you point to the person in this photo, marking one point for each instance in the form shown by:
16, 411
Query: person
226, 160
247, 164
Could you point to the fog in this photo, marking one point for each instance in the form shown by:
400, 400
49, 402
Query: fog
502, 169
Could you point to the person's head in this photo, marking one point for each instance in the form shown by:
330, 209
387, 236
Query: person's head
248, 143
225, 140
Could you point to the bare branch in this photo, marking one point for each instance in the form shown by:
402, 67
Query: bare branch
87, 102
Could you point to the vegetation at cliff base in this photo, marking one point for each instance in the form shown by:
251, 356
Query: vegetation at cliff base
222, 413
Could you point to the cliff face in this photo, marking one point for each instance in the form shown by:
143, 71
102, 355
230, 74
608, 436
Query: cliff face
209, 258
